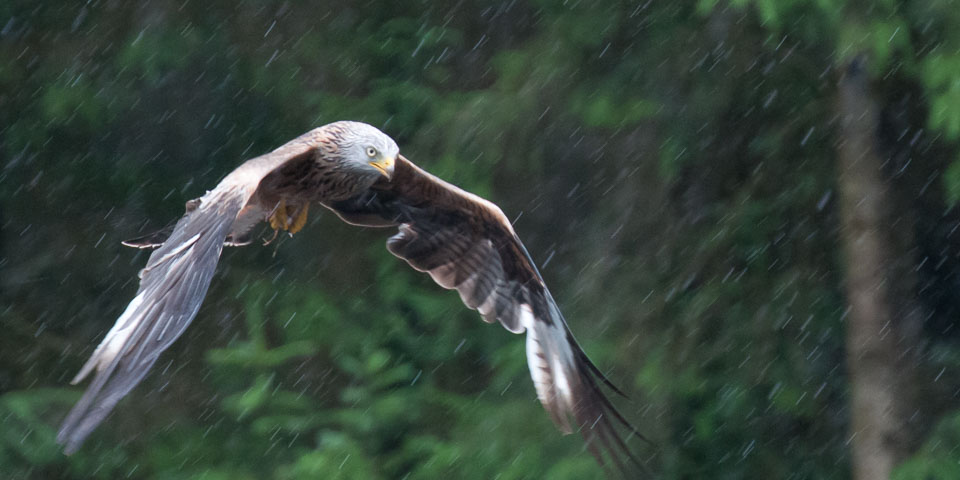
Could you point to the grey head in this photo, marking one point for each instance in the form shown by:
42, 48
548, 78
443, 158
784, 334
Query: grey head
364, 149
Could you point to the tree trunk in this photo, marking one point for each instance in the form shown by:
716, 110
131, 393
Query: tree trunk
880, 340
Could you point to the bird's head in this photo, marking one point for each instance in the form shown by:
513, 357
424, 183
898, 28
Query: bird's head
366, 149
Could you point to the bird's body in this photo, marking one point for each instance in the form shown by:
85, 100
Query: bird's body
280, 186
463, 241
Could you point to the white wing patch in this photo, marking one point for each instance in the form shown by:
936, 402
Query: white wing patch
113, 343
551, 365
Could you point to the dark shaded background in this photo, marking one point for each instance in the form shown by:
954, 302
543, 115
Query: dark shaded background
670, 165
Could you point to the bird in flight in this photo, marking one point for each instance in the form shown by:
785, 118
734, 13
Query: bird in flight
463, 241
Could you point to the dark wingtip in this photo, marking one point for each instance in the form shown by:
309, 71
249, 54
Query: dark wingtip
596, 371
602, 426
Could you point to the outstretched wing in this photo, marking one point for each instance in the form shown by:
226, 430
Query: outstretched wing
466, 243
172, 287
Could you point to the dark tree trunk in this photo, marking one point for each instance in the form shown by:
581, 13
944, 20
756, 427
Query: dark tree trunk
880, 334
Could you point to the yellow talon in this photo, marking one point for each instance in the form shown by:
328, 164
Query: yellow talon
278, 221
301, 220
282, 218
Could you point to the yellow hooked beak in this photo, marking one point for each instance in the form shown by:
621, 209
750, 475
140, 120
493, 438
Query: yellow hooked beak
385, 165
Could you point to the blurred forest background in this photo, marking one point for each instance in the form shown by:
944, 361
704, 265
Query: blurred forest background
746, 209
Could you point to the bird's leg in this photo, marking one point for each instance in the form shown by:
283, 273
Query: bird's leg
300, 220
278, 219
287, 217
271, 239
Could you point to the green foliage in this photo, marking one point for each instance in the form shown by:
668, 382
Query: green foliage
670, 164
26, 438
152, 54
336, 457
69, 104
951, 183
28, 441
607, 110
937, 458
885, 40
940, 77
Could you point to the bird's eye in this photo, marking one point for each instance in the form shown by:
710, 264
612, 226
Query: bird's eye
371, 152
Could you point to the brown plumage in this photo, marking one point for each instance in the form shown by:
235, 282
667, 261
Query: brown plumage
328, 163
467, 243
461, 240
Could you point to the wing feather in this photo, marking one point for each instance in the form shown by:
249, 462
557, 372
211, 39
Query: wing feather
466, 243
172, 287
